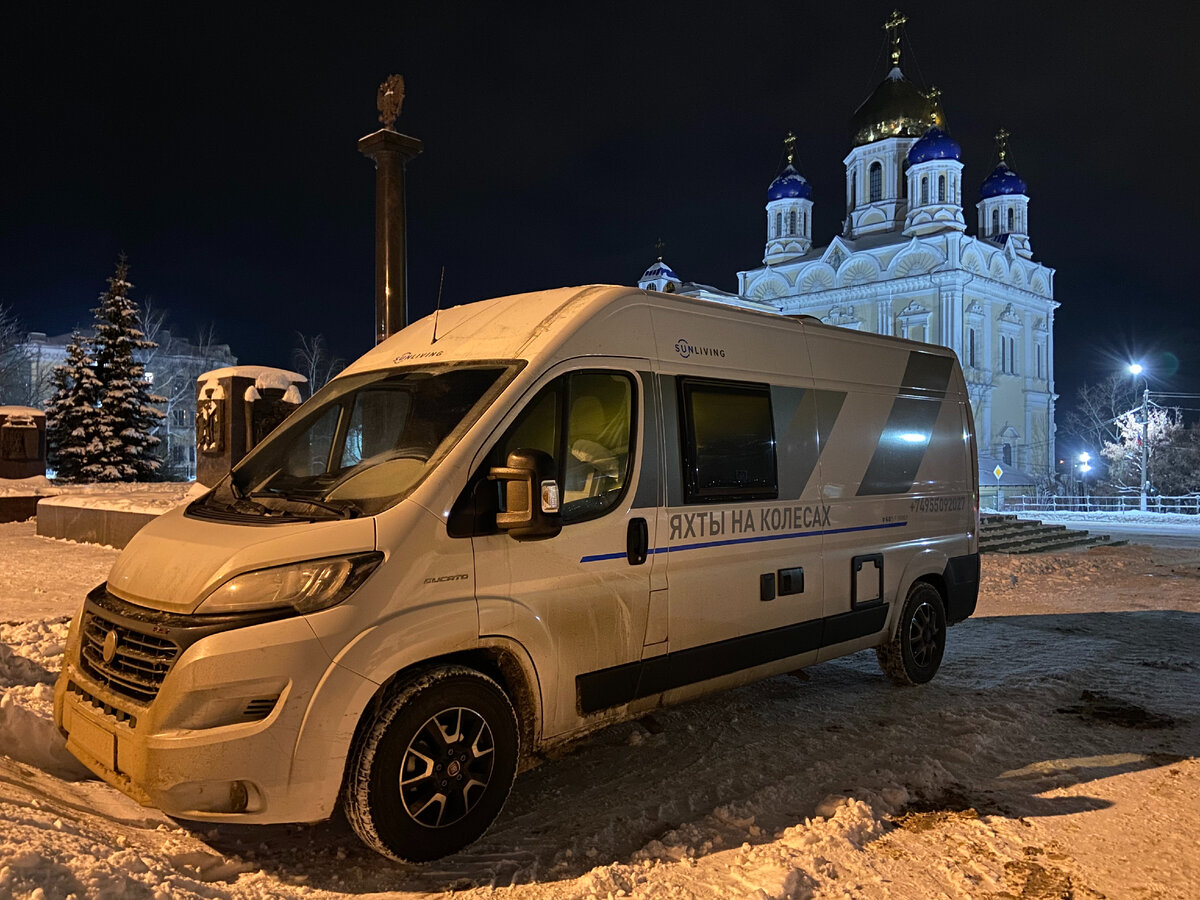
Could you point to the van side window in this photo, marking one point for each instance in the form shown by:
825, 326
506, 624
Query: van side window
591, 453
595, 458
728, 441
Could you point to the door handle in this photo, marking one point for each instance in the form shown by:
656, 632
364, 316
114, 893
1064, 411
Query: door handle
637, 542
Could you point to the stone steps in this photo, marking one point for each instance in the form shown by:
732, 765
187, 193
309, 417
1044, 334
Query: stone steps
1009, 534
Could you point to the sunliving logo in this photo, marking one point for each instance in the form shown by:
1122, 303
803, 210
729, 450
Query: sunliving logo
684, 349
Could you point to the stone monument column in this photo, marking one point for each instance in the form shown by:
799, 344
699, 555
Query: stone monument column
22, 442
390, 152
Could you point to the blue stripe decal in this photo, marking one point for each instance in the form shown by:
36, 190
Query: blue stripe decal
758, 539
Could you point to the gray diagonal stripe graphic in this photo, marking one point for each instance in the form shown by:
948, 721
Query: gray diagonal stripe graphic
901, 447
807, 417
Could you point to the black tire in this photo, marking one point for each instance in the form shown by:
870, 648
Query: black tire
915, 652
433, 768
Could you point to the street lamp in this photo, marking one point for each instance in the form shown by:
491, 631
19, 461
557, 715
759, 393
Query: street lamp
1084, 468
1135, 369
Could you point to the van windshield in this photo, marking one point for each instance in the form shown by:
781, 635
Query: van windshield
359, 445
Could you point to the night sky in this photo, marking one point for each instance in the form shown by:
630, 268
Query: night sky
216, 146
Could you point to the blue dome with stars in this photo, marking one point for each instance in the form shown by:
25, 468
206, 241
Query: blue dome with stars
934, 144
1003, 180
789, 184
659, 270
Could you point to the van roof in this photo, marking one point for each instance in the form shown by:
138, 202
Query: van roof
526, 326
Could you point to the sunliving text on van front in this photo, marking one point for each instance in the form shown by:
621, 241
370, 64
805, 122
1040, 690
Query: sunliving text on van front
443, 565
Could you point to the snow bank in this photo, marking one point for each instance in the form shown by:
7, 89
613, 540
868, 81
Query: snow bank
153, 497
27, 732
1129, 517
34, 486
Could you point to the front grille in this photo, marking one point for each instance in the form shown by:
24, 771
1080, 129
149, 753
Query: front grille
138, 663
99, 705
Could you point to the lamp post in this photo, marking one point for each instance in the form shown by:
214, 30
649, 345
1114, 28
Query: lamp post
1136, 369
1084, 468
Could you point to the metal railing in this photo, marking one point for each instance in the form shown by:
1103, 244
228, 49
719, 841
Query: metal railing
1189, 504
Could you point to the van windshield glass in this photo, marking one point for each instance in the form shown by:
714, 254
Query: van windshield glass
359, 445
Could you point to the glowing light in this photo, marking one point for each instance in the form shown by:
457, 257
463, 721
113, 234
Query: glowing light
1084, 457
913, 437
1135, 369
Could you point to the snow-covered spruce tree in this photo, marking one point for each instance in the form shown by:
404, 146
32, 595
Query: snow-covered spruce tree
74, 434
127, 411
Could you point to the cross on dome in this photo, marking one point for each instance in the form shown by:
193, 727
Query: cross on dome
892, 27
1002, 137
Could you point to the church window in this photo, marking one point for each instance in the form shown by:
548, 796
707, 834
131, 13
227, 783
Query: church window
1039, 362
804, 221
876, 175
995, 221
971, 347
1006, 454
941, 189
853, 188
924, 189
778, 224
792, 222
1006, 355
1011, 214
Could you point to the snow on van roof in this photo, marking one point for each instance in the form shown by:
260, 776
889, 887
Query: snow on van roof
16, 411
499, 328
597, 320
521, 326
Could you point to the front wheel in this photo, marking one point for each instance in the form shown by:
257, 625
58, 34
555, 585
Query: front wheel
915, 652
435, 765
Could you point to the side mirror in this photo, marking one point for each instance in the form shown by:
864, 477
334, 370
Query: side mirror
530, 496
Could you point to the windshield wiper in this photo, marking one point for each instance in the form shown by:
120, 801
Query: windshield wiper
242, 503
342, 512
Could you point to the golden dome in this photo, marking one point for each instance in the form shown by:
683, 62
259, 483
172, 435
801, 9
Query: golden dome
896, 108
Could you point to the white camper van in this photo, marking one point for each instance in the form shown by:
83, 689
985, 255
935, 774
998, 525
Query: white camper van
558, 511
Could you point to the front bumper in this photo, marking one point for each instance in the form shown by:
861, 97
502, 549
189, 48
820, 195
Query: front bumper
208, 718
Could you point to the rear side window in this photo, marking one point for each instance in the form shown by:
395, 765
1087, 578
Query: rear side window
728, 441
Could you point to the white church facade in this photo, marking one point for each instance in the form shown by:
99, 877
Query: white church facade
904, 265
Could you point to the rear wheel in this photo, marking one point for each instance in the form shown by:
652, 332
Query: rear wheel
915, 652
432, 770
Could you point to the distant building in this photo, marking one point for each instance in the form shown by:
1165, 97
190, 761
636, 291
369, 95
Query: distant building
171, 368
905, 265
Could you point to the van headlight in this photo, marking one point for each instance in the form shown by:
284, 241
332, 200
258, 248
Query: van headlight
305, 586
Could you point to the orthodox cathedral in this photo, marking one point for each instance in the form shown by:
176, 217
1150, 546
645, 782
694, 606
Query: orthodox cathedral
904, 265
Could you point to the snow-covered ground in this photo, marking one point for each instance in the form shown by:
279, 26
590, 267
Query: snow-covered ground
1126, 523
1054, 756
